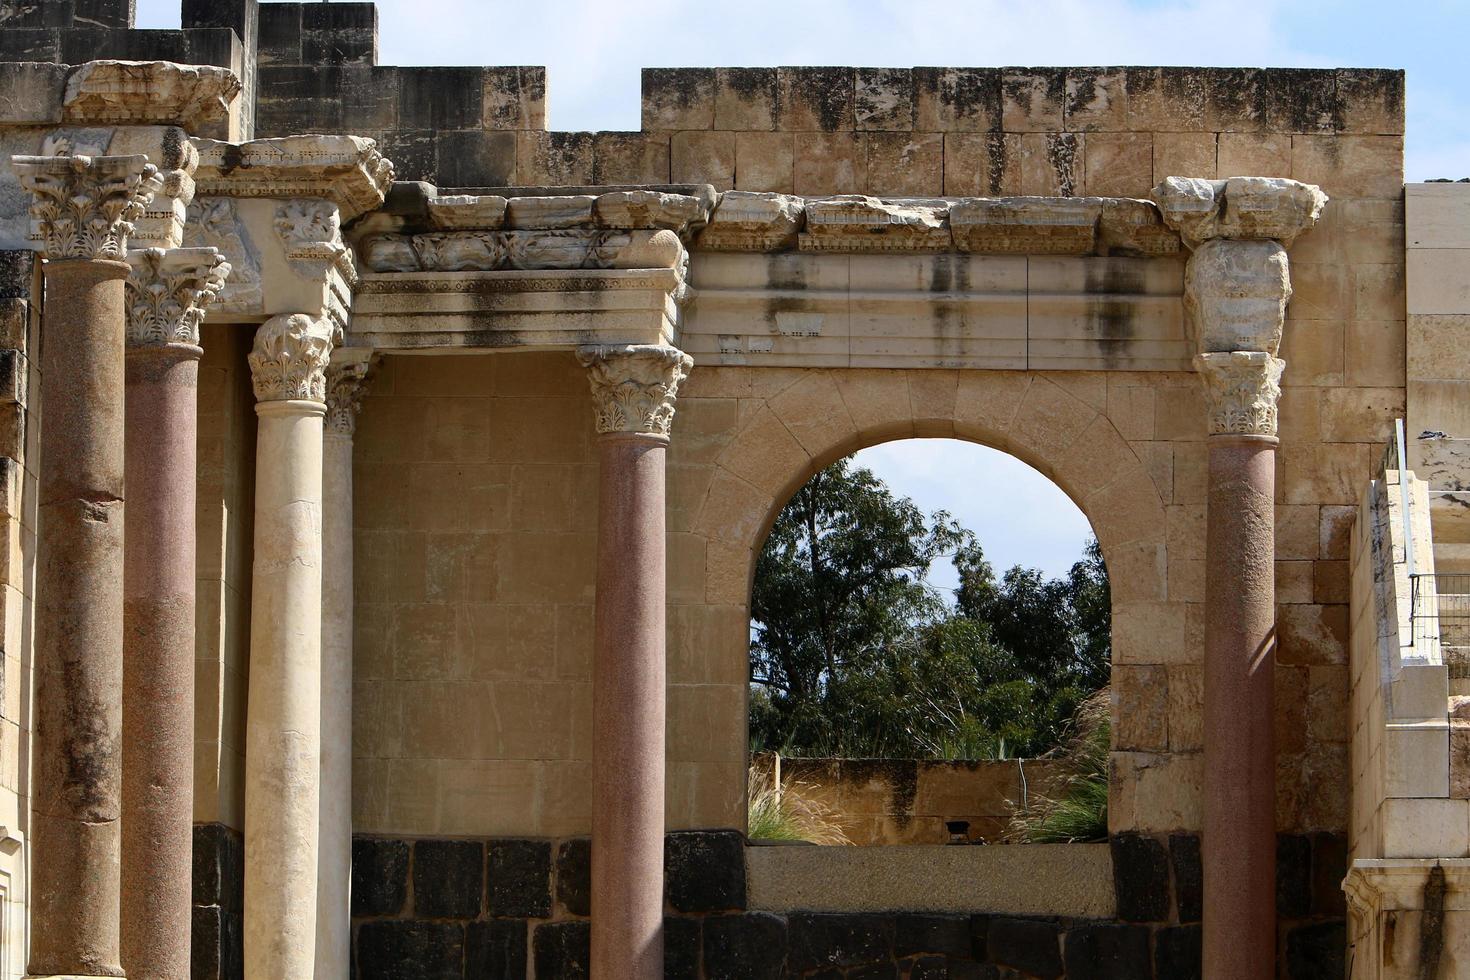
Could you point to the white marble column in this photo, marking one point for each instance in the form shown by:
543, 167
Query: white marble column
283, 721
346, 379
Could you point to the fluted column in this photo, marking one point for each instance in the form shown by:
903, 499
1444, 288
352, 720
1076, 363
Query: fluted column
346, 380
167, 294
1236, 288
633, 390
283, 721
82, 210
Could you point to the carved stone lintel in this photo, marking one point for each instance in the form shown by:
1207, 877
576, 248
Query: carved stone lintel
1235, 295
347, 376
85, 207
634, 386
1240, 208
138, 92
290, 358
1241, 391
487, 251
168, 292
346, 170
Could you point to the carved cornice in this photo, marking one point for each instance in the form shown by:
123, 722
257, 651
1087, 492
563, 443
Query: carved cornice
346, 170
168, 292
144, 92
1235, 295
487, 251
1241, 391
347, 376
1240, 207
85, 207
634, 386
290, 358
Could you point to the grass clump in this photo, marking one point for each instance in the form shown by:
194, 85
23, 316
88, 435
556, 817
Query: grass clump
1077, 810
790, 812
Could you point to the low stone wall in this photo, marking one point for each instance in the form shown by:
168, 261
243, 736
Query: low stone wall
475, 908
909, 801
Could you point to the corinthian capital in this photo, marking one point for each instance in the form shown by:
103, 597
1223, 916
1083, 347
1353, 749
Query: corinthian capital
1235, 295
85, 207
168, 291
1241, 390
289, 361
1241, 208
347, 376
634, 386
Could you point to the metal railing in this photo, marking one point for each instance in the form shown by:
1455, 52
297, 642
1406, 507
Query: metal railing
1440, 614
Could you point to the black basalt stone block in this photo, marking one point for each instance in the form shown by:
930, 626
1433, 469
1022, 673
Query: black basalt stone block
574, 875
1316, 951
406, 949
839, 940
81, 44
448, 878
1030, 945
218, 866
1329, 867
520, 878
1293, 876
379, 876
946, 934
1189, 894
30, 43
1177, 953
1107, 951
563, 950
495, 950
681, 949
750, 946
440, 98
704, 871
878, 971
113, 14
1140, 878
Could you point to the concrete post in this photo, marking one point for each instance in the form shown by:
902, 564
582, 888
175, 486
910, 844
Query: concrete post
283, 721
346, 377
633, 389
167, 294
83, 209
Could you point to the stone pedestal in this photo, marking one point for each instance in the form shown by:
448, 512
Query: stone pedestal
634, 390
283, 723
345, 380
167, 294
83, 209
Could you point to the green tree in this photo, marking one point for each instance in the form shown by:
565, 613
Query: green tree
855, 653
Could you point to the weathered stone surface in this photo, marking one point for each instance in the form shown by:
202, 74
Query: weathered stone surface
168, 292
1239, 207
1029, 945
1316, 952
1241, 391
520, 878
455, 211
945, 934
838, 940
1140, 877
379, 876
31, 93
681, 948
448, 878
1107, 951
558, 211
85, 207
1184, 859
495, 950
704, 870
1037, 225
650, 209
749, 946
573, 875
857, 223
1177, 953
1236, 295
753, 221
562, 949
390, 949
349, 171
1293, 876
135, 92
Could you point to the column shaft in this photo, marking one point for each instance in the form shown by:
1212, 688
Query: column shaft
283, 728
158, 650
76, 757
333, 928
1239, 846
628, 711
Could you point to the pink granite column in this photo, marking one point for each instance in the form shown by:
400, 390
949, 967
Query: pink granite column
83, 209
633, 390
167, 295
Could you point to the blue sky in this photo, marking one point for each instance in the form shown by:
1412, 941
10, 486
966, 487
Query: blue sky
593, 51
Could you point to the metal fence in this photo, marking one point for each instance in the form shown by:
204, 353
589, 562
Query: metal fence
1440, 613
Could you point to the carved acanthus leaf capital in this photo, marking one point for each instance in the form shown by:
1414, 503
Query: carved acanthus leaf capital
1241, 391
290, 358
634, 386
85, 207
168, 291
1255, 208
347, 377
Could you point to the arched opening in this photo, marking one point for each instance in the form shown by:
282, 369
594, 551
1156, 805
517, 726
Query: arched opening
929, 655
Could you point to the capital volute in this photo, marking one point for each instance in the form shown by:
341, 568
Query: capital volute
1241, 391
85, 207
634, 386
168, 292
289, 361
346, 383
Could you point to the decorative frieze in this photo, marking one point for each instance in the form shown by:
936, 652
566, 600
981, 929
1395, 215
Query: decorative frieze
346, 170
853, 222
85, 207
748, 221
168, 292
290, 358
634, 386
1241, 391
347, 374
486, 251
1235, 295
213, 223
140, 92
1240, 208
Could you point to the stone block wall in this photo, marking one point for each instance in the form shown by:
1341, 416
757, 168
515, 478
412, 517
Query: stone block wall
480, 908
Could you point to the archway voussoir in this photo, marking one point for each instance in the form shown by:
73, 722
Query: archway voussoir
733, 510
815, 414
765, 454
877, 401
1049, 420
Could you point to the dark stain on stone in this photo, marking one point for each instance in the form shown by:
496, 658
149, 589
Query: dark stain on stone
1081, 89
1431, 924
828, 92
682, 87
1302, 100
750, 83
1061, 152
90, 752
1235, 97
995, 152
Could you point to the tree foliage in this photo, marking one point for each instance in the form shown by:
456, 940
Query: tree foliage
855, 653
